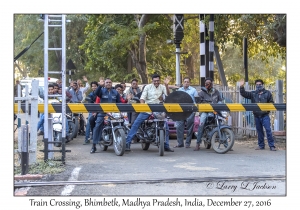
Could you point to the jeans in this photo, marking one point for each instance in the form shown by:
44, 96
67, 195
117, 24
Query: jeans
97, 131
203, 117
40, 125
88, 127
261, 122
180, 126
134, 128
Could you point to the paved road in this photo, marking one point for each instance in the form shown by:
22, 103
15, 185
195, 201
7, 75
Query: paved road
182, 173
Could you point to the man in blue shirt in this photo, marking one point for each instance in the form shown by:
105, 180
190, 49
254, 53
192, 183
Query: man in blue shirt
76, 93
107, 95
180, 125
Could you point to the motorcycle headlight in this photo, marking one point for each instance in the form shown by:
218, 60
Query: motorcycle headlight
159, 115
224, 114
116, 115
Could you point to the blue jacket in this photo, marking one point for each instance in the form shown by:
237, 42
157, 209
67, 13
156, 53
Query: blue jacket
92, 97
265, 97
106, 96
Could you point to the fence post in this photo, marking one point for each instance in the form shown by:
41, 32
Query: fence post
240, 114
33, 122
279, 99
24, 149
19, 119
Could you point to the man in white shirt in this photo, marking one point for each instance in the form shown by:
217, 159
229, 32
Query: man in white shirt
150, 95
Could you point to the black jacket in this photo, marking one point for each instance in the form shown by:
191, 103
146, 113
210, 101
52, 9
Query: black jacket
265, 97
213, 95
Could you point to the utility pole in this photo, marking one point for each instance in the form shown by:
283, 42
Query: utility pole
178, 36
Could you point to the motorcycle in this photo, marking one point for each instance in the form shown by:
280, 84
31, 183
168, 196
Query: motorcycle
57, 128
153, 131
72, 127
113, 133
57, 125
216, 133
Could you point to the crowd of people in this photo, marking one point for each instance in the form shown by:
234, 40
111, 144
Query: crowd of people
103, 91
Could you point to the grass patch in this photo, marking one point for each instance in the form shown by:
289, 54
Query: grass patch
43, 167
40, 166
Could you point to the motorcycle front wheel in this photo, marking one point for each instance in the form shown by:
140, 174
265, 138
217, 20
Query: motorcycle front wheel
119, 142
224, 144
161, 142
72, 130
76, 123
57, 137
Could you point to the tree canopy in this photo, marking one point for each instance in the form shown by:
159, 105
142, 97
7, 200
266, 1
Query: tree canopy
126, 46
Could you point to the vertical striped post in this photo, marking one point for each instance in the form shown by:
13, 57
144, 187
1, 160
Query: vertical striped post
202, 49
211, 46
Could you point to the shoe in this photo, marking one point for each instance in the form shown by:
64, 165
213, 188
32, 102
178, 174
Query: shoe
40, 133
94, 149
86, 142
127, 148
259, 148
67, 139
177, 146
197, 148
169, 150
187, 146
272, 148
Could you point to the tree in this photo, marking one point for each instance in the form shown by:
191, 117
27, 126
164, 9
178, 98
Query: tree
28, 27
268, 71
110, 38
258, 28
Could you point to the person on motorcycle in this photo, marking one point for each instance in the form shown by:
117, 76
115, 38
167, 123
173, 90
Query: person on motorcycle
55, 89
83, 89
91, 99
262, 119
40, 127
150, 95
76, 93
119, 88
77, 97
107, 95
207, 94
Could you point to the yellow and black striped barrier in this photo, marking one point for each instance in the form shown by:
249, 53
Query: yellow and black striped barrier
166, 107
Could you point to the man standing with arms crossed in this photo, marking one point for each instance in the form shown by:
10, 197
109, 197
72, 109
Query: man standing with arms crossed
180, 125
150, 95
